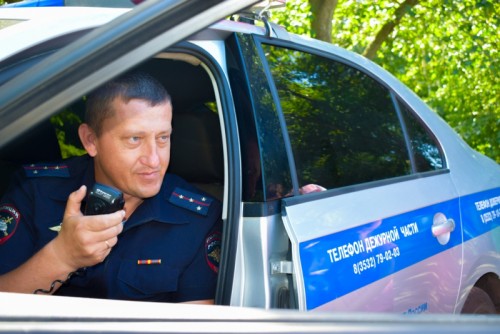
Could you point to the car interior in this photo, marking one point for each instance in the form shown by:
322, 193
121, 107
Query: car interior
196, 150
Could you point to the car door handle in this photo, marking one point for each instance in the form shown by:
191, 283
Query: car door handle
442, 226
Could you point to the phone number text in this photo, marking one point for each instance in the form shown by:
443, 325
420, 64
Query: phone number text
371, 262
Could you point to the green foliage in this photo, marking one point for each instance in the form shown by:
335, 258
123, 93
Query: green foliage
296, 17
66, 125
446, 51
453, 65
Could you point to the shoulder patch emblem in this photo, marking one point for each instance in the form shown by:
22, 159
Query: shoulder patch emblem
9, 218
191, 201
44, 170
212, 251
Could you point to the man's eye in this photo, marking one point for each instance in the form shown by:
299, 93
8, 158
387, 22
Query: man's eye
134, 140
164, 139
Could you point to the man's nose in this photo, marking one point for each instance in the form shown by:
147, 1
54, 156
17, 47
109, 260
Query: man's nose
151, 156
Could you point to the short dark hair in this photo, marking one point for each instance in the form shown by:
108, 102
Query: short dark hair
134, 85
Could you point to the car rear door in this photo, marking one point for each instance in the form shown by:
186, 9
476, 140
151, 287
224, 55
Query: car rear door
385, 234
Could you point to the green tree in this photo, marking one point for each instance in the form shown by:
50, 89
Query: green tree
446, 51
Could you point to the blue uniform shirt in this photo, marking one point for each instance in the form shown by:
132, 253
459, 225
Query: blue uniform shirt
168, 250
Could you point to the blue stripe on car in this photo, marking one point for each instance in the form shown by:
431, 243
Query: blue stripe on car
337, 264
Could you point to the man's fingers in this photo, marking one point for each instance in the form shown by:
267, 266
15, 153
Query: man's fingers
100, 223
110, 243
108, 233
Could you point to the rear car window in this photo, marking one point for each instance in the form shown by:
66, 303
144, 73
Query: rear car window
427, 154
343, 126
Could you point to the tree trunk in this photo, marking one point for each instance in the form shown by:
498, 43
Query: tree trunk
321, 24
388, 28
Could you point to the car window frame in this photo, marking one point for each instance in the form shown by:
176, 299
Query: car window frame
232, 167
398, 102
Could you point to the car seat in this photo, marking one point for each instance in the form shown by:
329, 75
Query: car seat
196, 151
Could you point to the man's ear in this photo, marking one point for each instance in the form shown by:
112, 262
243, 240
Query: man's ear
88, 139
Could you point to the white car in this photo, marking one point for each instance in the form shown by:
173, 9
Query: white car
342, 191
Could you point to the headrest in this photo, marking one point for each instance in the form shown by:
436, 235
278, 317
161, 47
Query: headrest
196, 151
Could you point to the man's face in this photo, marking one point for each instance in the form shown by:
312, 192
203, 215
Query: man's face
133, 151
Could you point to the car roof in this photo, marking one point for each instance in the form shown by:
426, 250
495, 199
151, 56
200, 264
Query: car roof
40, 24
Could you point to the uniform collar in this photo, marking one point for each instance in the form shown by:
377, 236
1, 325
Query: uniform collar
159, 209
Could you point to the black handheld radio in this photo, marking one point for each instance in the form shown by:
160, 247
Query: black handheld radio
103, 199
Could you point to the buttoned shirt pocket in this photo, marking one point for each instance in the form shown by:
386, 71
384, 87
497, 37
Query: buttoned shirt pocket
146, 280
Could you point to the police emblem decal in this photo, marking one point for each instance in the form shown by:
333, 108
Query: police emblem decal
212, 249
9, 218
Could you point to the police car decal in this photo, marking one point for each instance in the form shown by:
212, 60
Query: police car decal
337, 264
9, 219
481, 212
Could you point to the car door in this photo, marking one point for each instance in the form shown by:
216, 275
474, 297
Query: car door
385, 232
30, 97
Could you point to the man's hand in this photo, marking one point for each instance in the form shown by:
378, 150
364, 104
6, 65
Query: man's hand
311, 188
86, 240
83, 241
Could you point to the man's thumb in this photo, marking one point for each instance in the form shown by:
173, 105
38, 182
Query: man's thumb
75, 201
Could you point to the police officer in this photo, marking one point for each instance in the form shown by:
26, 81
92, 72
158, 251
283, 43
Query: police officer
163, 245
